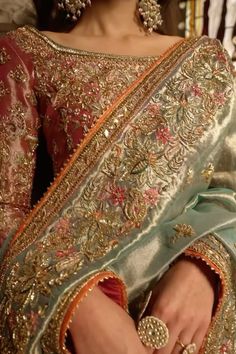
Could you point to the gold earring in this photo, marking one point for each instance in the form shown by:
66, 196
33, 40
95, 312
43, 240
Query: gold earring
73, 8
150, 13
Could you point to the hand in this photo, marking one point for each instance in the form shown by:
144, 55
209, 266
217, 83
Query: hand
100, 326
183, 299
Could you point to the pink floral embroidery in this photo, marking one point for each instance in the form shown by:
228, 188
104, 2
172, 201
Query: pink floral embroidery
219, 98
221, 57
163, 134
117, 195
225, 347
151, 196
65, 253
196, 90
62, 225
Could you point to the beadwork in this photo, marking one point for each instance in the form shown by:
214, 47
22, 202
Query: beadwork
73, 7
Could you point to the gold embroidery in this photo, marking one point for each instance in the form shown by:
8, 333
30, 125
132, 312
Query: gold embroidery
32, 98
221, 335
18, 74
81, 89
4, 56
16, 177
3, 89
97, 145
189, 176
51, 339
208, 172
10, 216
124, 185
182, 230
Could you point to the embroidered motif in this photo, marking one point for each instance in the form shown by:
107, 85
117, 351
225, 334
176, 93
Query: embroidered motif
208, 172
18, 141
80, 89
18, 75
221, 334
3, 89
49, 344
32, 98
182, 231
130, 180
4, 56
189, 176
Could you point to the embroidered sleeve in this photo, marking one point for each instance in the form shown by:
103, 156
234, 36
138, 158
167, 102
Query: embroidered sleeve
18, 136
223, 326
56, 333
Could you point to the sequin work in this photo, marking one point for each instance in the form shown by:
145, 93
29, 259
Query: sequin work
75, 90
133, 128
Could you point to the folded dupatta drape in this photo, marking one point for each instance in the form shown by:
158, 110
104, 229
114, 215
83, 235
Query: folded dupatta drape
133, 196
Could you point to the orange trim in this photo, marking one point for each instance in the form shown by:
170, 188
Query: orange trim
82, 293
89, 136
214, 267
218, 271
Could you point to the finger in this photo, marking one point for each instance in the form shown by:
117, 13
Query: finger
184, 339
173, 335
198, 338
149, 351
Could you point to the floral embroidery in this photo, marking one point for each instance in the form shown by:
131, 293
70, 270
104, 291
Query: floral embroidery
116, 195
208, 172
4, 56
133, 177
153, 109
189, 176
196, 90
77, 91
221, 334
182, 230
151, 196
18, 141
3, 89
18, 74
163, 134
224, 349
219, 98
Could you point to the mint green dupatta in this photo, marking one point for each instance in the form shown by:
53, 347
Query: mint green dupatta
130, 200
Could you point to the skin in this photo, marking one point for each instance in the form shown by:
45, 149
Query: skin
99, 326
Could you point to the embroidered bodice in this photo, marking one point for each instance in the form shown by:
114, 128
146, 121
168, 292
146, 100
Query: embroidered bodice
62, 90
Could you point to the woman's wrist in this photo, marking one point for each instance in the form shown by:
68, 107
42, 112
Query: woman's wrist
212, 277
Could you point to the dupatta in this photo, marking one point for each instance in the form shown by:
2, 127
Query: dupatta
131, 199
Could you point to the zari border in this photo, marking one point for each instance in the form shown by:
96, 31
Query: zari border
58, 326
93, 147
223, 327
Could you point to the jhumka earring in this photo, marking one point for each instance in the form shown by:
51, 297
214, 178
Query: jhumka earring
150, 14
73, 8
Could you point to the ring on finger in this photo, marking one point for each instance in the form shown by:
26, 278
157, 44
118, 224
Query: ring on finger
190, 348
153, 332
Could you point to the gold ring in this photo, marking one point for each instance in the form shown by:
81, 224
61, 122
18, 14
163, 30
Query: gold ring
153, 332
187, 349
181, 344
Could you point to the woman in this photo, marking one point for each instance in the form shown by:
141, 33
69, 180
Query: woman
137, 126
